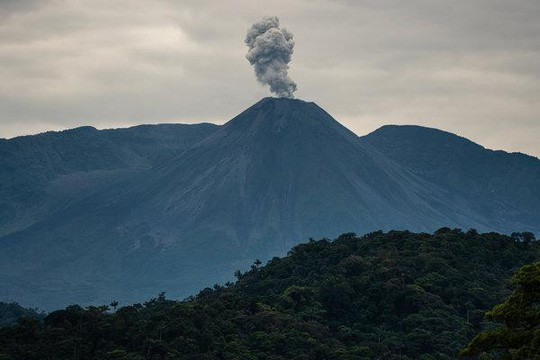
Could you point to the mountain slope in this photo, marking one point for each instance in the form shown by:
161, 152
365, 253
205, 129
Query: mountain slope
285, 169
504, 187
278, 173
43, 173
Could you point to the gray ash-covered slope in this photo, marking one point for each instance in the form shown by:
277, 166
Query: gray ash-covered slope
178, 218
283, 170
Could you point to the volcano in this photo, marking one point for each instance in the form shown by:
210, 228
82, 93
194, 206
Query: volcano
186, 214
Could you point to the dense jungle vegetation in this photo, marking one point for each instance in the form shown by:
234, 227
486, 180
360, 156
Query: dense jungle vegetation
11, 312
395, 295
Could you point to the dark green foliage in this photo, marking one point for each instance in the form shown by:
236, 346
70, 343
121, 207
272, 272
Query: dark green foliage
519, 338
395, 295
526, 236
11, 312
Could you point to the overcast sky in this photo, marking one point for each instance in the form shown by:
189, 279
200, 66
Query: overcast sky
471, 67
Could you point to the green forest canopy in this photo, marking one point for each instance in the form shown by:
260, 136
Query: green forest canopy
519, 335
11, 312
395, 295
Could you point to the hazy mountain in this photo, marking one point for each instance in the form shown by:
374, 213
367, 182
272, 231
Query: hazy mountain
40, 174
503, 187
124, 214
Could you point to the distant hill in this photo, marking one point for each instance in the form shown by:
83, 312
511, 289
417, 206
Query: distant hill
504, 187
11, 312
44, 173
395, 295
92, 216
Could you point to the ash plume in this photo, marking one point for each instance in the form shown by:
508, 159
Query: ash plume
270, 50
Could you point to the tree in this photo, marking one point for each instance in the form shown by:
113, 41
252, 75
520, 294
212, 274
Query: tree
528, 237
519, 337
524, 237
114, 304
256, 265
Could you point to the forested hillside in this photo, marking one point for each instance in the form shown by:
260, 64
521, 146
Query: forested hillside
395, 295
517, 335
11, 312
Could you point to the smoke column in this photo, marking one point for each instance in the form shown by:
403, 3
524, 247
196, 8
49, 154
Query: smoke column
270, 50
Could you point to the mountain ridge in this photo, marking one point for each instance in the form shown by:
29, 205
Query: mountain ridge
213, 200
436, 131
506, 183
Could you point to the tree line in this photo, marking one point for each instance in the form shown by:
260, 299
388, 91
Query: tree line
394, 295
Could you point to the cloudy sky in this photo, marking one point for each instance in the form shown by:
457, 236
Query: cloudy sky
470, 67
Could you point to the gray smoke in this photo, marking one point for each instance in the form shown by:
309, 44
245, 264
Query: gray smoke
270, 50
